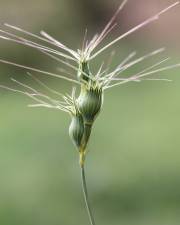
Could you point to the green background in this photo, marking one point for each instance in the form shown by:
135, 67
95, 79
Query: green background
133, 164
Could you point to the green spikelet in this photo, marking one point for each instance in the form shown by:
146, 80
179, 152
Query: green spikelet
90, 102
83, 71
86, 136
76, 130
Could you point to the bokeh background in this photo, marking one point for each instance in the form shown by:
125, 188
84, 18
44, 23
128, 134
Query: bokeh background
133, 165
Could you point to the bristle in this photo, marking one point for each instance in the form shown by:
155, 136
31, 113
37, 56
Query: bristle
26, 42
109, 25
59, 44
40, 71
52, 41
145, 74
146, 22
44, 85
109, 77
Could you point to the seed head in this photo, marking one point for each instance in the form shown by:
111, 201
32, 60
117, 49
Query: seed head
84, 109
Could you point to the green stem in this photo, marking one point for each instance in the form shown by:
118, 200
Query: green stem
84, 186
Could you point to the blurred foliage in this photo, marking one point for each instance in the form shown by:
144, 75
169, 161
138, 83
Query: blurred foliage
133, 163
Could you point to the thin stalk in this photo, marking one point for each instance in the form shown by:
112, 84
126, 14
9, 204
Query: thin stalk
86, 198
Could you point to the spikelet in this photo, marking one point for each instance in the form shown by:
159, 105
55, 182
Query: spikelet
83, 72
76, 129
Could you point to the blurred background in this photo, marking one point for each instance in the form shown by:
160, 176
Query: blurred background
133, 164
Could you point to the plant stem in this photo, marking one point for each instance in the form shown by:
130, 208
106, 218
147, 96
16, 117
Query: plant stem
84, 186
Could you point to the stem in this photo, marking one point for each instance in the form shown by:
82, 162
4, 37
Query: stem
86, 199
